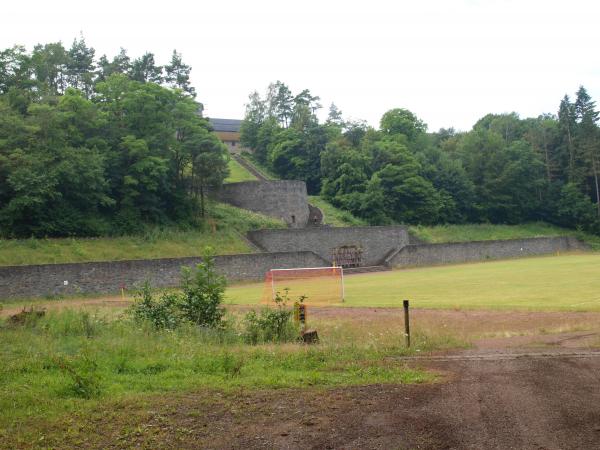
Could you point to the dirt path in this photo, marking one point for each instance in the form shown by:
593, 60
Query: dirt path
519, 403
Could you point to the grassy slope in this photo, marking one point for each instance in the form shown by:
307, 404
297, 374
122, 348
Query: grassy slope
483, 232
268, 174
569, 282
238, 173
334, 216
229, 223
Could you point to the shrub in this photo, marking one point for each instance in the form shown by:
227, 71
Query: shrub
199, 302
203, 292
163, 313
271, 325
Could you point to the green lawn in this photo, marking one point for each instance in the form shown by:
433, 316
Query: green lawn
561, 283
238, 173
226, 238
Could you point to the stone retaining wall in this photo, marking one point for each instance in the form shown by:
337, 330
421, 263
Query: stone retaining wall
107, 277
459, 252
375, 242
285, 200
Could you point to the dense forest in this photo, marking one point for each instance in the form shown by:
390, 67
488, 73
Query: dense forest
96, 146
505, 170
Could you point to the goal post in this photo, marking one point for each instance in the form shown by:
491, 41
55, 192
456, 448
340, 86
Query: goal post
321, 285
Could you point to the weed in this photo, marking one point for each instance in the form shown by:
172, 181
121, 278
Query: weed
272, 325
85, 382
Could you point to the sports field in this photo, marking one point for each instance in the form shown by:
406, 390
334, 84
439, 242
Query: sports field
553, 283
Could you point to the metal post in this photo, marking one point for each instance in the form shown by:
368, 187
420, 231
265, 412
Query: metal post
406, 323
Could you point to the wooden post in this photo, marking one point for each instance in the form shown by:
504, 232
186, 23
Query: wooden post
406, 323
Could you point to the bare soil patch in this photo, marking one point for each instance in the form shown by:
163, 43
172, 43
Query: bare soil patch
520, 403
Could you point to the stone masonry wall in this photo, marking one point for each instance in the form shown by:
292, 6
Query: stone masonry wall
285, 200
376, 242
107, 277
459, 252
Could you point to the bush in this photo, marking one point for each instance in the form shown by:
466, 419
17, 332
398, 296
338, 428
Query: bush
163, 313
271, 325
199, 303
203, 292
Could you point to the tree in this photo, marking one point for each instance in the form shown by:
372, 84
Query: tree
121, 63
566, 121
587, 138
178, 74
49, 63
80, 66
145, 70
402, 121
253, 120
335, 116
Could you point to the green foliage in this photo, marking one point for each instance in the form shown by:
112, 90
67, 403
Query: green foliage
505, 170
87, 153
272, 324
202, 295
162, 313
149, 241
83, 375
198, 303
402, 121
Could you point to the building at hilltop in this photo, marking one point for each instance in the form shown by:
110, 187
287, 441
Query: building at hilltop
228, 131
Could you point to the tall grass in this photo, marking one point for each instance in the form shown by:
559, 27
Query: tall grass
70, 360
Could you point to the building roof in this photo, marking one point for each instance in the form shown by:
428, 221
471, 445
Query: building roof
226, 124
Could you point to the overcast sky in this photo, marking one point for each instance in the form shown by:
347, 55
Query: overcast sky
450, 62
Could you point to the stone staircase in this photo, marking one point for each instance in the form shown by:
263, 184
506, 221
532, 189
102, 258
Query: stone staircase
250, 167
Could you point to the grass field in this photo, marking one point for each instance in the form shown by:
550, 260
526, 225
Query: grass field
238, 173
230, 223
552, 283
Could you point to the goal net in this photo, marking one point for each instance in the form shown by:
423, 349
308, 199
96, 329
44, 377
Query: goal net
321, 285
